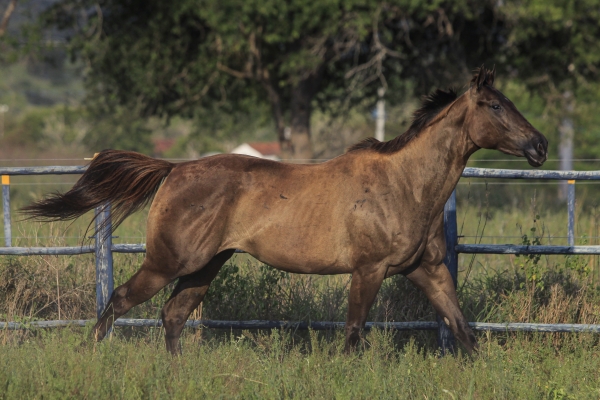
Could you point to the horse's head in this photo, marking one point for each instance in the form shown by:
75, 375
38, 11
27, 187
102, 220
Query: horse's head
495, 123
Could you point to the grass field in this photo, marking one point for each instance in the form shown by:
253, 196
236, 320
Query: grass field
66, 363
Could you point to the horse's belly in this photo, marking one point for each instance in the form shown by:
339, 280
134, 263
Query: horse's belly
305, 248
301, 265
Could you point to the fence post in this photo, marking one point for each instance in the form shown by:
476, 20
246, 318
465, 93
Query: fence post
6, 209
104, 259
571, 211
445, 338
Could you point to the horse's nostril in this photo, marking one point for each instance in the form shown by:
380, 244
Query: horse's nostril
540, 148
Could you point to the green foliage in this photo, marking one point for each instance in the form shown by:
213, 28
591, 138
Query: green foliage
251, 290
530, 263
553, 42
29, 130
250, 296
118, 129
587, 124
578, 264
63, 127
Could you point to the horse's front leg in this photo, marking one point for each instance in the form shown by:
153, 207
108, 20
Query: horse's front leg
436, 282
363, 289
433, 278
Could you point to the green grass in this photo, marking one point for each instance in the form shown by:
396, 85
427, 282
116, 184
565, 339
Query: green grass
66, 364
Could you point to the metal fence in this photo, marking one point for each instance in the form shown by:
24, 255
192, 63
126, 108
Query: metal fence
104, 248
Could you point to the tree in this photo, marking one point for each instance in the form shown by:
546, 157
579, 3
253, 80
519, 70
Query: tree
170, 58
173, 58
552, 46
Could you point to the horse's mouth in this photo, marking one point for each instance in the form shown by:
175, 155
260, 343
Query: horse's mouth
534, 159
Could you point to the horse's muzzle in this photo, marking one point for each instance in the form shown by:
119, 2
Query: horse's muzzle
538, 152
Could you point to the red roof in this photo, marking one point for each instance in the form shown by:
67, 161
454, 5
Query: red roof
267, 148
162, 145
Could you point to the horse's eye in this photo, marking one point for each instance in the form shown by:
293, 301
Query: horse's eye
496, 107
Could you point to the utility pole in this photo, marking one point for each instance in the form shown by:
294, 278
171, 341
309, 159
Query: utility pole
380, 118
565, 150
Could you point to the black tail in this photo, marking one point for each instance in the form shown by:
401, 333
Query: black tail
125, 179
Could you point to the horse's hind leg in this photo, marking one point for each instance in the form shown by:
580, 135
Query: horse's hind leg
436, 282
144, 284
186, 296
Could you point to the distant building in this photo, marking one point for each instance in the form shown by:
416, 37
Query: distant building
162, 145
268, 150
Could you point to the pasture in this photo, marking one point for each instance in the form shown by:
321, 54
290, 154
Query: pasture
133, 363
66, 364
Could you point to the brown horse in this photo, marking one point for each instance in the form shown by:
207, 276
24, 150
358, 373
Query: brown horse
373, 212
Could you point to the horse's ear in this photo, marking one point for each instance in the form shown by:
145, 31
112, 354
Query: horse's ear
491, 75
483, 77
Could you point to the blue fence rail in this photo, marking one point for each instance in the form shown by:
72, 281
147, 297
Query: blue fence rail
104, 249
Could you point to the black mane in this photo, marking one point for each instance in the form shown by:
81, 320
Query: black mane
430, 108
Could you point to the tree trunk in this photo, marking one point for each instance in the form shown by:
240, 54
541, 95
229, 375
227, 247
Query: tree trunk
298, 142
275, 100
295, 139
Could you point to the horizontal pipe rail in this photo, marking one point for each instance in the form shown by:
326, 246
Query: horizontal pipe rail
468, 172
45, 251
461, 248
129, 248
72, 250
216, 324
68, 251
529, 174
54, 170
523, 249
315, 325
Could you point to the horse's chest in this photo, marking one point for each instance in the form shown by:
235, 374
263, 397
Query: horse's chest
409, 236
390, 232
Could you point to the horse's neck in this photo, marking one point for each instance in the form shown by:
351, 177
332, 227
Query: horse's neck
438, 155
